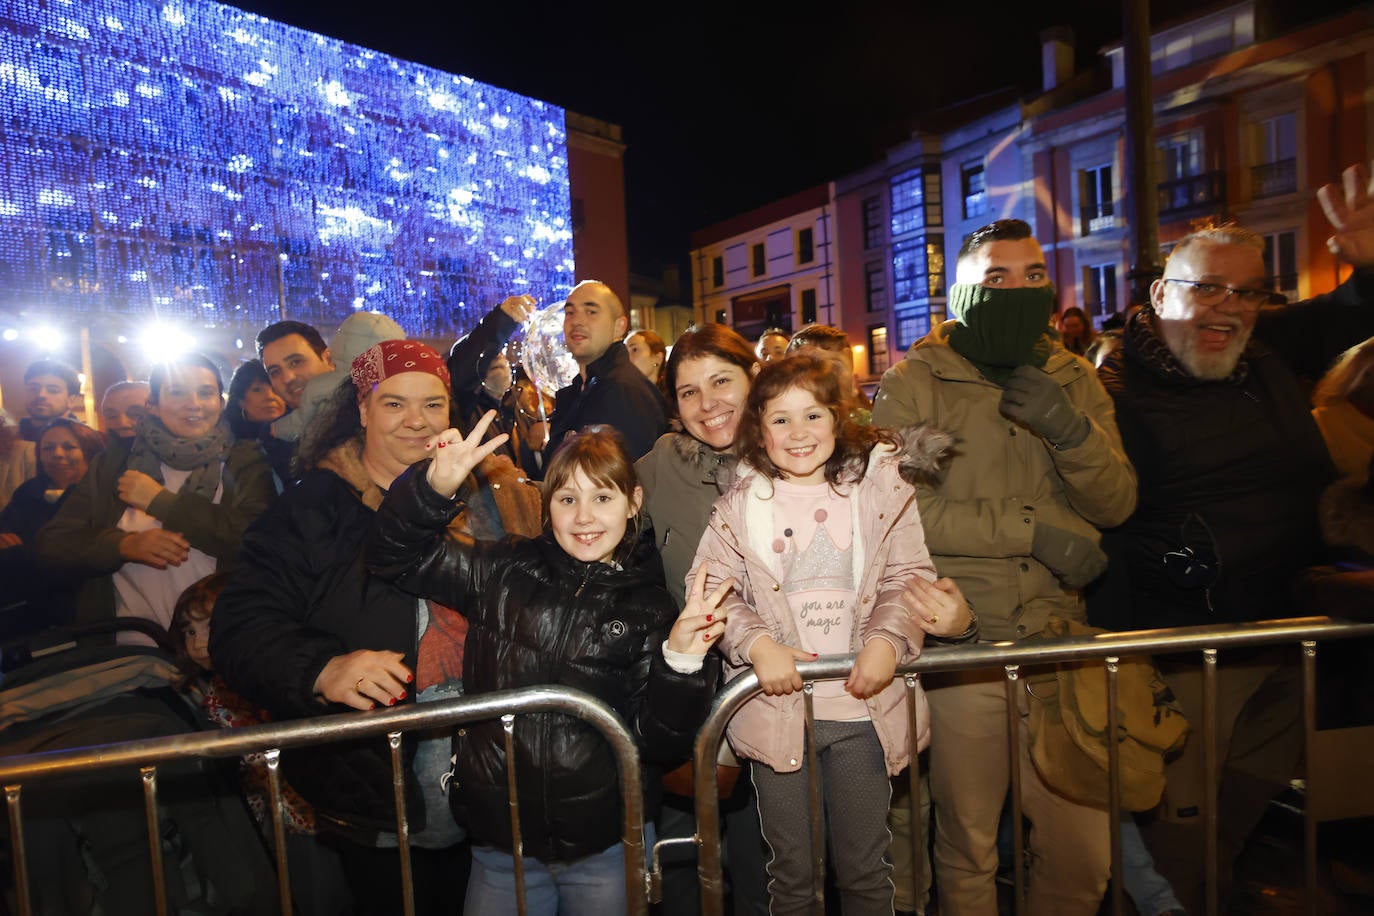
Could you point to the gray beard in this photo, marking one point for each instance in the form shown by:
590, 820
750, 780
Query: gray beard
1181, 339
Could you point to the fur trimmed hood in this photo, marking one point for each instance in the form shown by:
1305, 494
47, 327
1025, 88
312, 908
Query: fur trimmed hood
922, 456
346, 461
925, 454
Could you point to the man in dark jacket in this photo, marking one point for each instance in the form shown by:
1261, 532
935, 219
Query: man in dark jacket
1231, 465
608, 389
481, 375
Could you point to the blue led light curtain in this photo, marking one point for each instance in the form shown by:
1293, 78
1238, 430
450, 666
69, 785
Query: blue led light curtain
190, 161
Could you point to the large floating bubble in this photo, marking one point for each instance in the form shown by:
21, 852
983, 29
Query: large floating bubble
544, 352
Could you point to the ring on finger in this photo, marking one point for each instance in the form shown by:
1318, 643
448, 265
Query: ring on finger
934, 618
358, 686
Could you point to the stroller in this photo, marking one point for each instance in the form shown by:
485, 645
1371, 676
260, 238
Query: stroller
86, 836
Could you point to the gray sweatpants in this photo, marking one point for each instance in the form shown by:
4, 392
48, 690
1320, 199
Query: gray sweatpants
855, 794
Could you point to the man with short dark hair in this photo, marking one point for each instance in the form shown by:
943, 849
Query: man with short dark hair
54, 390
1039, 465
1231, 467
772, 345
122, 406
293, 353
608, 389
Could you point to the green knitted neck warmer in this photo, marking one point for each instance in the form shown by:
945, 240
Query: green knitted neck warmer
1000, 329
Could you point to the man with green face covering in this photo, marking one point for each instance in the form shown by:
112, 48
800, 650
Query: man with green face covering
1038, 468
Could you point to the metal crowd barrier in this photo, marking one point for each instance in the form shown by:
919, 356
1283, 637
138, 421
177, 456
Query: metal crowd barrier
1012, 657
273, 738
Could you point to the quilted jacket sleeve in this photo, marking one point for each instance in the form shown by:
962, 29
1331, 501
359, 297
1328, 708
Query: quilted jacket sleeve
412, 545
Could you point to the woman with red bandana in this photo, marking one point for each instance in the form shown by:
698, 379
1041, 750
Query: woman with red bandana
304, 630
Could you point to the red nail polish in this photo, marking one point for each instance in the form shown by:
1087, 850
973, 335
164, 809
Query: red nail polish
373, 706
709, 618
403, 694
442, 444
391, 701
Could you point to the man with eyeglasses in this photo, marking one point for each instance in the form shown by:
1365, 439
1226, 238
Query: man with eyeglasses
1230, 465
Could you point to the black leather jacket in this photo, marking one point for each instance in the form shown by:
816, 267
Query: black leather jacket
537, 616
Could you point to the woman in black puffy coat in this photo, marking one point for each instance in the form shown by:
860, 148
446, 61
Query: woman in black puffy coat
582, 606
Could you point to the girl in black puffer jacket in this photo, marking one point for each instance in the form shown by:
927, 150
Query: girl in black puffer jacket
584, 606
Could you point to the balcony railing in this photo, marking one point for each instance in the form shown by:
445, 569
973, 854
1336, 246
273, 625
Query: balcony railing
1196, 192
1273, 178
1099, 217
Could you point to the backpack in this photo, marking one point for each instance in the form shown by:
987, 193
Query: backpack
1068, 726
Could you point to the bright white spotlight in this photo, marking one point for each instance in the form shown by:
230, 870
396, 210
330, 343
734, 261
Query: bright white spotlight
46, 338
163, 342
10, 334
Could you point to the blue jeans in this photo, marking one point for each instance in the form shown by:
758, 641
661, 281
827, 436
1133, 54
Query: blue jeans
1150, 891
591, 886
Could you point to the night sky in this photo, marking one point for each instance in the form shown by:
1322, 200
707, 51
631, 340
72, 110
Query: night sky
726, 106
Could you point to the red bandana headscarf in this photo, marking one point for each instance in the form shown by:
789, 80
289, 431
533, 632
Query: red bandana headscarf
392, 357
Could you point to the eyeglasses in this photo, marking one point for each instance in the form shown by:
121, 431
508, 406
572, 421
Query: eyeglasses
1210, 294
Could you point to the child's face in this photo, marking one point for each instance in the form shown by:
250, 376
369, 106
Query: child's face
798, 435
196, 632
588, 519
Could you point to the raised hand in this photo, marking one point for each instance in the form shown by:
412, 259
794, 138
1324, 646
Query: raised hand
455, 455
1033, 397
137, 489
873, 669
938, 607
364, 679
155, 547
701, 620
1350, 209
520, 308
776, 665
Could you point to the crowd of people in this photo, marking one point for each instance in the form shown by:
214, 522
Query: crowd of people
366, 522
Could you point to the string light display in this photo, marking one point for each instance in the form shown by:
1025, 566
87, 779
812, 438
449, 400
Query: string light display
188, 161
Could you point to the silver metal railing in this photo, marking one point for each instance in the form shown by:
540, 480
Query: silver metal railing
1012, 657
18, 772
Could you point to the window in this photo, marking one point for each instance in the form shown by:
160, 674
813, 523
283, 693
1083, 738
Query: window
1099, 292
1095, 195
1281, 260
909, 270
873, 222
808, 306
877, 350
806, 249
720, 316
760, 261
908, 202
918, 268
912, 325
973, 183
875, 287
1276, 152
1178, 158
717, 271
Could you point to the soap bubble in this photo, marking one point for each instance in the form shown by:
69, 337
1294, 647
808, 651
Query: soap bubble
544, 352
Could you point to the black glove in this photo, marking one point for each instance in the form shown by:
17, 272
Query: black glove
1034, 399
1075, 558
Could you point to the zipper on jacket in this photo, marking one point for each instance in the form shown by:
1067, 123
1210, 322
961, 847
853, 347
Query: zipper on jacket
586, 576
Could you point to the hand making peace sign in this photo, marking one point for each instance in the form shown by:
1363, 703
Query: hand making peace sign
456, 456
